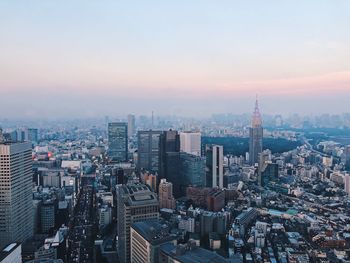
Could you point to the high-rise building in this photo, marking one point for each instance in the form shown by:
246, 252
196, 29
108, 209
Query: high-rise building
148, 150
214, 165
136, 203
16, 201
118, 141
347, 183
192, 169
47, 216
169, 143
166, 198
268, 174
347, 157
33, 135
146, 238
190, 142
255, 136
131, 125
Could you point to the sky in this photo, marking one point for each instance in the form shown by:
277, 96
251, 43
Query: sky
184, 57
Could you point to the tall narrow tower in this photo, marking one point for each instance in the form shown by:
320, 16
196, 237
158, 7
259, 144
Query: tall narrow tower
16, 212
255, 135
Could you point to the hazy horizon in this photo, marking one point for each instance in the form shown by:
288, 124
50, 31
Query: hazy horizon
90, 59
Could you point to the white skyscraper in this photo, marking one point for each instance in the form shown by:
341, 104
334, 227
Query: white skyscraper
190, 142
131, 125
214, 166
16, 202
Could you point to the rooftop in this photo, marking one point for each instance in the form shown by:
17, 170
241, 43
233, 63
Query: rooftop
154, 232
192, 255
8, 250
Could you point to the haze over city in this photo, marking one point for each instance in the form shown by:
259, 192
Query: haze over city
187, 58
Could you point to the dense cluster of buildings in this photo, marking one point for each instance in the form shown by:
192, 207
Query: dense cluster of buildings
119, 192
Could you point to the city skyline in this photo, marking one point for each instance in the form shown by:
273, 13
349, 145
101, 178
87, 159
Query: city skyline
174, 58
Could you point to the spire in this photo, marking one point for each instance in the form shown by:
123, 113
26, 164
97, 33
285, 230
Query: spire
256, 103
256, 118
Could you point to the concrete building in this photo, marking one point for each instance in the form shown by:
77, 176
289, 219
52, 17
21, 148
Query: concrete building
16, 201
165, 192
255, 136
135, 203
146, 239
188, 253
192, 169
118, 141
347, 183
131, 125
190, 142
148, 151
47, 216
214, 165
11, 254
347, 157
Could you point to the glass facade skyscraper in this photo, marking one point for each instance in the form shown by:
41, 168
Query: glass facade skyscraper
118, 141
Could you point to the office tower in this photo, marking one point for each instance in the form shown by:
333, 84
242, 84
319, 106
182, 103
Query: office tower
166, 198
146, 238
192, 169
264, 160
148, 151
269, 174
214, 166
169, 143
347, 157
16, 201
131, 125
47, 216
184, 253
33, 135
11, 253
136, 203
190, 142
118, 141
347, 183
255, 136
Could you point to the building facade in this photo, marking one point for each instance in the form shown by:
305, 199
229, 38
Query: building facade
148, 151
136, 203
214, 165
255, 136
16, 201
118, 141
190, 142
166, 198
131, 125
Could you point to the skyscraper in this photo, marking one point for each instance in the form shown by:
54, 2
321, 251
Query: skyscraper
255, 136
136, 203
347, 183
118, 141
148, 150
347, 157
192, 169
166, 198
190, 142
214, 165
169, 159
131, 125
16, 201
